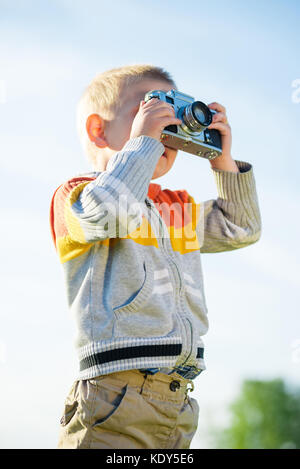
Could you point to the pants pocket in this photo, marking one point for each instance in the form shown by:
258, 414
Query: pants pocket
109, 402
70, 405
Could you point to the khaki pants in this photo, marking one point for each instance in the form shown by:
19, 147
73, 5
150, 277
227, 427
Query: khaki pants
128, 409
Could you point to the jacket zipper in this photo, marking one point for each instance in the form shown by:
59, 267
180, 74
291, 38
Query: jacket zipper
152, 207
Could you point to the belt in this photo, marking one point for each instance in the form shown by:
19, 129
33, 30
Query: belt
188, 372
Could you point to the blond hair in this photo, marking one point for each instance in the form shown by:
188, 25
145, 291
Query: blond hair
102, 96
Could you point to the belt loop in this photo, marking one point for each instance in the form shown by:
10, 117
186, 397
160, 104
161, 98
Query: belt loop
145, 374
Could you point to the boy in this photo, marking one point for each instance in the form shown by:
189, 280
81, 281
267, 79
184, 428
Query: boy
131, 257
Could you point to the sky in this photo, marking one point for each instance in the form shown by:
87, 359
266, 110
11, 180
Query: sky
244, 55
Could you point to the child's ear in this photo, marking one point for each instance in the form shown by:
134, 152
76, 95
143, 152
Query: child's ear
95, 130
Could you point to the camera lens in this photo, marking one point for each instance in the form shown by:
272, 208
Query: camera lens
197, 116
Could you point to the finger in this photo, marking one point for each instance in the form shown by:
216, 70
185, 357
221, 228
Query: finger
161, 111
224, 129
220, 117
159, 103
217, 107
155, 102
170, 121
151, 101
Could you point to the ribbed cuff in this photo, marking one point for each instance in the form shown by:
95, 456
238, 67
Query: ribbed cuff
239, 196
133, 166
236, 186
138, 142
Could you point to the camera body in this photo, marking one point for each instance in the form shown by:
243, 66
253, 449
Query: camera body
192, 136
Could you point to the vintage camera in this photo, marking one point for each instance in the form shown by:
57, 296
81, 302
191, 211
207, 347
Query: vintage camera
192, 136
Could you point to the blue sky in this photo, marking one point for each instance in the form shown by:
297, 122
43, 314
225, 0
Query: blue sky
244, 55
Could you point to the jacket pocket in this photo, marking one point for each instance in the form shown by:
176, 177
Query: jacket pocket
136, 301
151, 313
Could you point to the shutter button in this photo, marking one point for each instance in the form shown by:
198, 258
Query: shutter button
174, 385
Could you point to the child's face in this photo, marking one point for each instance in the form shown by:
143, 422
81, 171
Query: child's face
112, 135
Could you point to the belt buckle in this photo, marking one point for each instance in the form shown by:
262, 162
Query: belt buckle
188, 372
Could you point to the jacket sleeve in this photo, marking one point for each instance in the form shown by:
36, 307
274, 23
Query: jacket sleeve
86, 210
233, 220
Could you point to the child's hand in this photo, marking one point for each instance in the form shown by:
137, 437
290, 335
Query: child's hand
220, 123
152, 117
224, 162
